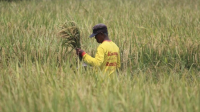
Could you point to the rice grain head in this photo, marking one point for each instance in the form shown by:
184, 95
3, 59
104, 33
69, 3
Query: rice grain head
70, 35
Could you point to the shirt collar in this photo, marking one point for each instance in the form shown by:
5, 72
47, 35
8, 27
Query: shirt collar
107, 41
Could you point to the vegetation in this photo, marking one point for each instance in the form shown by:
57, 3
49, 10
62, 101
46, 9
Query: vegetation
160, 56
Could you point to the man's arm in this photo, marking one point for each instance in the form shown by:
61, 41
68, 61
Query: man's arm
97, 61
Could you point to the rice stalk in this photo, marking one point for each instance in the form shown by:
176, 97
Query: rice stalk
70, 35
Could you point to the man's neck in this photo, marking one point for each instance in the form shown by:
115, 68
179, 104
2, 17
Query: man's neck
106, 39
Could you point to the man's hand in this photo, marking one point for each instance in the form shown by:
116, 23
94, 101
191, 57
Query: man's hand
79, 52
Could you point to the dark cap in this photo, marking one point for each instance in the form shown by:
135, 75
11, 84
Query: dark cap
98, 29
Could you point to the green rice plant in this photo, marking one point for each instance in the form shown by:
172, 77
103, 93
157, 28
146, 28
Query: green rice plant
158, 41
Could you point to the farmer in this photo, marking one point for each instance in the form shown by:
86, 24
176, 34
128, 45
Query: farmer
107, 57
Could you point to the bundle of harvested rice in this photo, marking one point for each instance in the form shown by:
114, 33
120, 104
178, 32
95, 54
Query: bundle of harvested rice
70, 34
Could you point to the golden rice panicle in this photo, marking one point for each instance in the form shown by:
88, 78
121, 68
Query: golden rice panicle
70, 34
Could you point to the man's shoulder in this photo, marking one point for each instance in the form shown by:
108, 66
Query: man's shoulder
114, 44
108, 44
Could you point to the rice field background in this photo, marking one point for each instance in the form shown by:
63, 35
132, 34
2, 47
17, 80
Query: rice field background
159, 42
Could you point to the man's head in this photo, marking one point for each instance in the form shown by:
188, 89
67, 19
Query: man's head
100, 32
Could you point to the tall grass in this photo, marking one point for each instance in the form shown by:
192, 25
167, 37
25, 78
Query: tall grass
159, 46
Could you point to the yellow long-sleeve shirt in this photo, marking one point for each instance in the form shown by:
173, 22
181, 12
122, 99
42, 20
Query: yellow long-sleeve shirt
107, 57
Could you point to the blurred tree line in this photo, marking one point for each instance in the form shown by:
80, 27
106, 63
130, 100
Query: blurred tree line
13, 0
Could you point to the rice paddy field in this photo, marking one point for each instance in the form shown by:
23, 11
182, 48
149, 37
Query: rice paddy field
159, 43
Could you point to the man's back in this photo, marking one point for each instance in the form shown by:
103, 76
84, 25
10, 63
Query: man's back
111, 56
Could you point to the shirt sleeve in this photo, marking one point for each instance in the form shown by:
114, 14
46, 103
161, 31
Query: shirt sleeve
98, 60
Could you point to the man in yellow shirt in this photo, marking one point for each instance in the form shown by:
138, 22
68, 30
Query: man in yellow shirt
107, 57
